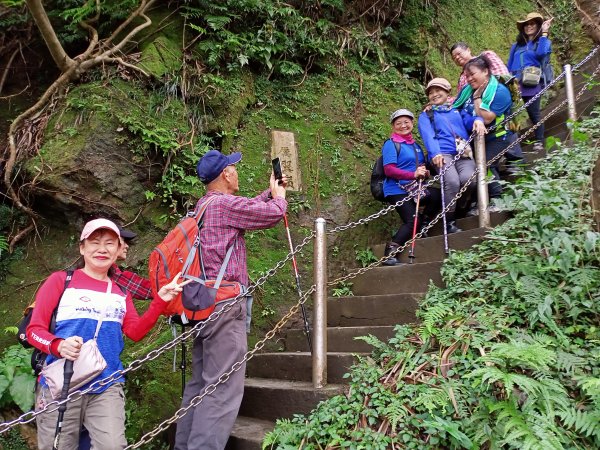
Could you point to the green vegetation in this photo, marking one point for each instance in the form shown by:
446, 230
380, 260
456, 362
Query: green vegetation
507, 354
16, 378
224, 75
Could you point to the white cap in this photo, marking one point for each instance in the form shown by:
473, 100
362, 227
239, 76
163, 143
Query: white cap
98, 224
400, 113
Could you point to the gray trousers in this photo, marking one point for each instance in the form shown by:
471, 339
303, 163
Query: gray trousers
102, 414
218, 346
455, 177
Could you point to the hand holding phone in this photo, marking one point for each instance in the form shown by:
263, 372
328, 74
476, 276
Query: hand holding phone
277, 170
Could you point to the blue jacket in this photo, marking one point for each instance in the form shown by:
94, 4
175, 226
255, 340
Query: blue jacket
530, 54
404, 160
449, 122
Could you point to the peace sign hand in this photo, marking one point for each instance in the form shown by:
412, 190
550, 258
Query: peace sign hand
171, 290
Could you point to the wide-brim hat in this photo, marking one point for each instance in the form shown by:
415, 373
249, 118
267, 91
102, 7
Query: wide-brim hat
400, 113
531, 16
439, 82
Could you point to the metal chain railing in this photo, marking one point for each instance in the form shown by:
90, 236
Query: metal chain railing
194, 331
225, 376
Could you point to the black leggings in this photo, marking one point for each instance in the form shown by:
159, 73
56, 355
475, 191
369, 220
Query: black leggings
407, 213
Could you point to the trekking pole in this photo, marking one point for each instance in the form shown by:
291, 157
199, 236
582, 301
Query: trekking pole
63, 396
183, 366
446, 248
411, 253
304, 317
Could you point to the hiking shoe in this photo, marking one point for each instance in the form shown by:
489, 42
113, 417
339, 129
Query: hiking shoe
452, 228
492, 207
474, 211
391, 261
390, 247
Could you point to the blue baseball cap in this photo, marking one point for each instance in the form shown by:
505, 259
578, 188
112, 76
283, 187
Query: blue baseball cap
212, 164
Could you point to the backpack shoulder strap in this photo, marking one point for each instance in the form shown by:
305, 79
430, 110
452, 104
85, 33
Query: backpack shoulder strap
398, 147
198, 215
68, 279
430, 114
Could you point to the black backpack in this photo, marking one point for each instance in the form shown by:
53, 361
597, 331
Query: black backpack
378, 176
38, 357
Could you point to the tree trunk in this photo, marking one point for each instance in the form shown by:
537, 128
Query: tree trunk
62, 60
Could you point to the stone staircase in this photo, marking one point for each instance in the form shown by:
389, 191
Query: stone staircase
279, 384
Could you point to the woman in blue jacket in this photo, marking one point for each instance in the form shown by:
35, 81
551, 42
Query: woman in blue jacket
489, 99
532, 49
443, 129
404, 165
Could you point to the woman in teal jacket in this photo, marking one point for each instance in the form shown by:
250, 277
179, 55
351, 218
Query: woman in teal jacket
489, 99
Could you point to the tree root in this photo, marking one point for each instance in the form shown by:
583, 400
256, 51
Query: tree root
97, 53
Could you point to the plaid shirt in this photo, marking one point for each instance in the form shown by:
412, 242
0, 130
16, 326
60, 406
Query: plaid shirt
138, 287
225, 221
497, 67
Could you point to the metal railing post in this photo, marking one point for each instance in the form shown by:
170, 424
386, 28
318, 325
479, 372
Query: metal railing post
482, 188
570, 92
319, 354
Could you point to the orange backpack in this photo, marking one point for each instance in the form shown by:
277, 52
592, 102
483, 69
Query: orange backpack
180, 252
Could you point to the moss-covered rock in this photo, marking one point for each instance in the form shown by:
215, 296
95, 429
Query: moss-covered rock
162, 56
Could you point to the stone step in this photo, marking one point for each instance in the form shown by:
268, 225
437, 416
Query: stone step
399, 279
432, 248
340, 339
271, 399
373, 310
248, 433
469, 223
297, 366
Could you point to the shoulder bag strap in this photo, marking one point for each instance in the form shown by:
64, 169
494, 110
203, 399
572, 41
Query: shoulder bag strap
99, 324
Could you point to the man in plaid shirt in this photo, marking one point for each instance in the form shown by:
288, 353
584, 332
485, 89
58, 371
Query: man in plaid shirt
137, 286
461, 54
222, 342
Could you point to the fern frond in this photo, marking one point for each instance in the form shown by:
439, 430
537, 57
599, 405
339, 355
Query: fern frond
585, 422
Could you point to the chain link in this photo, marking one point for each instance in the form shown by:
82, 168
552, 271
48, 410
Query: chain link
225, 376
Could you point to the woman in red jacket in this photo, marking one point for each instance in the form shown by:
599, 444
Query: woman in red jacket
91, 305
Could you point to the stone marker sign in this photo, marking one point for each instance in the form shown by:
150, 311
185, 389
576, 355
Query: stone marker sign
283, 146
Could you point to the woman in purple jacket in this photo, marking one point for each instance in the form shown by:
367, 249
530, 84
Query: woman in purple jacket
532, 49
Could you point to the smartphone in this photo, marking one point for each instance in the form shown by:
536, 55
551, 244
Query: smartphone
277, 169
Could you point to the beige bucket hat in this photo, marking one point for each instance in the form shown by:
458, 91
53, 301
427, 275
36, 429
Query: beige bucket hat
531, 16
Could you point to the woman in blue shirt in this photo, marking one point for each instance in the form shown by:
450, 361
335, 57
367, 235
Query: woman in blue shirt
532, 49
404, 165
443, 129
489, 99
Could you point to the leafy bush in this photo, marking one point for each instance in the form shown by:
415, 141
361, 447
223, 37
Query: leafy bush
17, 381
506, 356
